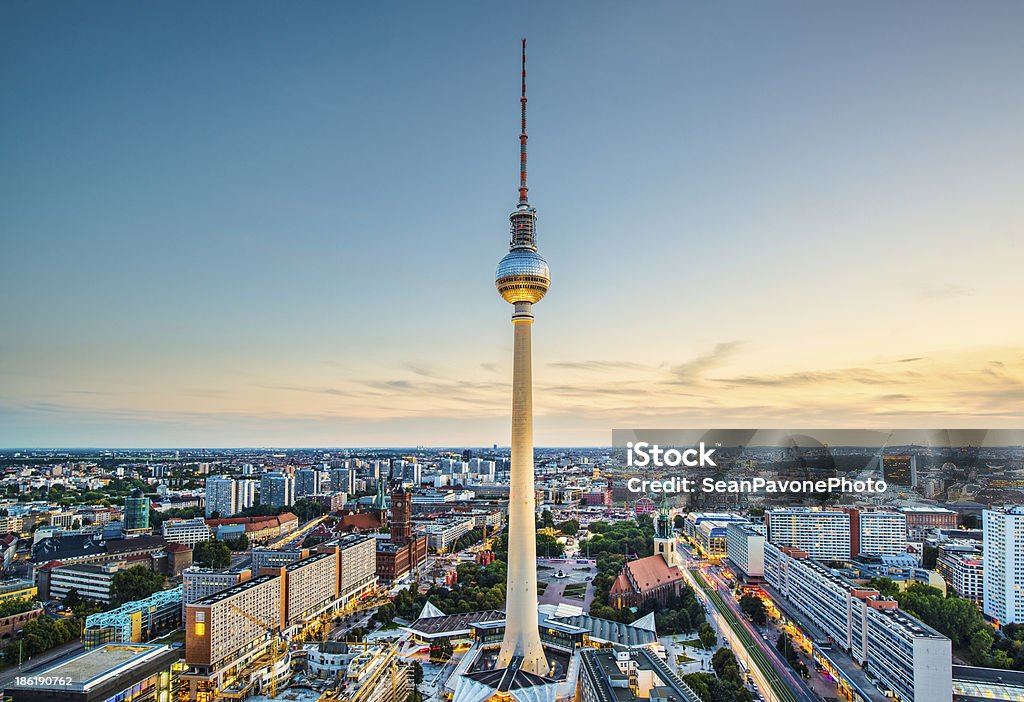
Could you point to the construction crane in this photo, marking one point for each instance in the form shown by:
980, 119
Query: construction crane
277, 646
488, 542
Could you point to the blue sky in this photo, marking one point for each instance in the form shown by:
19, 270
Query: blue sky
258, 223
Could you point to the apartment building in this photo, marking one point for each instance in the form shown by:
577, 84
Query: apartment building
1003, 563
745, 550
307, 482
277, 489
908, 657
227, 630
877, 532
357, 564
962, 567
822, 534
186, 531
276, 558
311, 587
226, 497
198, 583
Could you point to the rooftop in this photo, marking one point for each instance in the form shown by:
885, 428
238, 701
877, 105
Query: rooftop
454, 623
93, 667
234, 590
653, 571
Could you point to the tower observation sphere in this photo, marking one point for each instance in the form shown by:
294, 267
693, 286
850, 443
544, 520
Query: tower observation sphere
522, 276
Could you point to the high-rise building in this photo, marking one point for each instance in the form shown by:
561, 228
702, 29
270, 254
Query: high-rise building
136, 513
226, 496
343, 480
960, 565
522, 279
823, 534
307, 482
357, 564
277, 490
877, 532
745, 549
900, 470
1003, 554
907, 656
197, 583
398, 468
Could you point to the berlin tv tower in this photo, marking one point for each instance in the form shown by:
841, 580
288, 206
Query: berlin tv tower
522, 279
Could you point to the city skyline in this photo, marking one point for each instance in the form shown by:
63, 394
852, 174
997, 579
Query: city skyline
218, 231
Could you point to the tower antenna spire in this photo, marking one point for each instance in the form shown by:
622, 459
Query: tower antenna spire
522, 137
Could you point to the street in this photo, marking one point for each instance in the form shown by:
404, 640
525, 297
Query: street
776, 680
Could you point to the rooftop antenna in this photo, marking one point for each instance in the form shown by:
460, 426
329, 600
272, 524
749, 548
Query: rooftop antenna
522, 138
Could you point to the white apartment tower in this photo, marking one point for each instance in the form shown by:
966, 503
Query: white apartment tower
823, 535
1003, 554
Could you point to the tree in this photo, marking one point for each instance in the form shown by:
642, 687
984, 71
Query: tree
754, 608
785, 646
307, 509
929, 555
548, 546
679, 522
239, 544
885, 586
72, 599
569, 527
12, 607
41, 634
546, 519
136, 583
969, 521
707, 635
712, 689
980, 645
212, 554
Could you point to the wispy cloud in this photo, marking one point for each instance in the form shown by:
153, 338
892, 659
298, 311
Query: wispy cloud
695, 368
943, 291
600, 366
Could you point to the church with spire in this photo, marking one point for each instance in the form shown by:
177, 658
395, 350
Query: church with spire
656, 577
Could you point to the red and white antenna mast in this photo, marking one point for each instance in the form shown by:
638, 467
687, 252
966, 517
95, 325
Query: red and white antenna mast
522, 137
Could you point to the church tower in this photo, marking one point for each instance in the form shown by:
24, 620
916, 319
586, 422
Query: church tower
665, 538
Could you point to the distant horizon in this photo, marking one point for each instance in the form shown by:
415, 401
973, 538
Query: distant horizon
454, 447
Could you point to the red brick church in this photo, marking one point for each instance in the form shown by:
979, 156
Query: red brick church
652, 578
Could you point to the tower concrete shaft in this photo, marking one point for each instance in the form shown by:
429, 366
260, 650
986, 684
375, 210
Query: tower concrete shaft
522, 637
